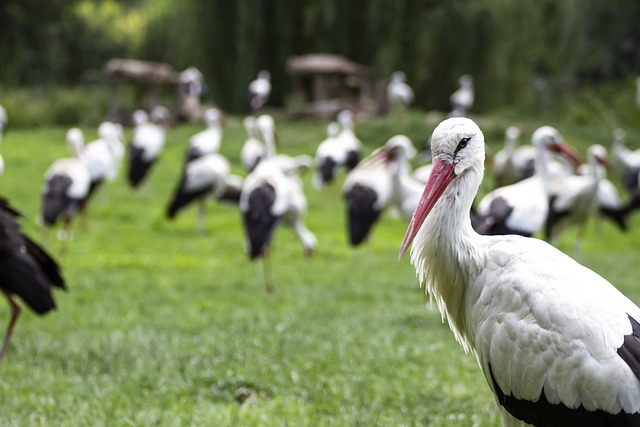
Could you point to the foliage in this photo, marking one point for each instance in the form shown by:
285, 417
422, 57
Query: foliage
164, 327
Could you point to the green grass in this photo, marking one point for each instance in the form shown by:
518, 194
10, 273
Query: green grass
164, 327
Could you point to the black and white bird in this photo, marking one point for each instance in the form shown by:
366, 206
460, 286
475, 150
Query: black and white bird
399, 93
147, 144
206, 141
522, 208
557, 343
348, 139
27, 271
574, 200
405, 189
513, 163
330, 154
204, 177
462, 99
628, 160
253, 149
259, 90
66, 187
271, 197
367, 191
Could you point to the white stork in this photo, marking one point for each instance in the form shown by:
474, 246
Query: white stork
522, 208
406, 190
513, 163
329, 155
253, 149
557, 343
270, 197
66, 187
575, 199
100, 157
206, 141
202, 177
147, 144
628, 160
259, 90
348, 139
367, 190
462, 99
28, 271
399, 93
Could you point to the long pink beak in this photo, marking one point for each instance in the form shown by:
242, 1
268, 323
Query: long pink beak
441, 175
568, 152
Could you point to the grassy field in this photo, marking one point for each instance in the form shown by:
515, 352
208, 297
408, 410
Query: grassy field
165, 327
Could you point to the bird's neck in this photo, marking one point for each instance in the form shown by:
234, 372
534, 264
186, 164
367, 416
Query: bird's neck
448, 253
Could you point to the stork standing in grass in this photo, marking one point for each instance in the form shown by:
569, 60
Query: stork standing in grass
462, 99
206, 141
253, 149
574, 200
147, 144
329, 155
557, 343
367, 191
26, 271
203, 177
348, 139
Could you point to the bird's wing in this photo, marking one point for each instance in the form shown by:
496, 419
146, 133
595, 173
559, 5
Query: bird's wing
559, 331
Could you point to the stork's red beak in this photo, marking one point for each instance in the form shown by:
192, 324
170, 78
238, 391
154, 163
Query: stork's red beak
441, 175
568, 152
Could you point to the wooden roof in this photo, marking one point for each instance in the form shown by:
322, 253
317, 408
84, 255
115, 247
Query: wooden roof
324, 63
142, 72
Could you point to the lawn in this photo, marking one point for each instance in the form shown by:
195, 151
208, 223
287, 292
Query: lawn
162, 326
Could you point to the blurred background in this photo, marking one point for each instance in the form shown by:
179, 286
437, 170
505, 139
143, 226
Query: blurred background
535, 56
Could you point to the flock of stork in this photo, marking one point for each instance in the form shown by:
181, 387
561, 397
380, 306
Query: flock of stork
557, 343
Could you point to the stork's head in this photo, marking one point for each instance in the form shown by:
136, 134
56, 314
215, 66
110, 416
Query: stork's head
398, 76
598, 155
550, 139
139, 117
264, 74
399, 147
457, 146
75, 140
333, 129
212, 117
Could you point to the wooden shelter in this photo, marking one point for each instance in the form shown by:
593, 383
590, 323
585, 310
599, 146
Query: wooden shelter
324, 84
145, 75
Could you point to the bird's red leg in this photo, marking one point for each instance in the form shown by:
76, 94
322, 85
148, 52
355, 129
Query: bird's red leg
268, 278
15, 313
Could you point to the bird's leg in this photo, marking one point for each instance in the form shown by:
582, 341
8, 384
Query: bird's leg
201, 216
577, 250
84, 214
15, 313
268, 278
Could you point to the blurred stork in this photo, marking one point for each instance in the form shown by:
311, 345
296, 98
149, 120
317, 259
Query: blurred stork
348, 139
272, 194
522, 208
147, 144
329, 155
557, 343
26, 271
204, 176
462, 99
628, 160
575, 199
367, 190
100, 157
399, 93
253, 149
206, 141
513, 163
259, 90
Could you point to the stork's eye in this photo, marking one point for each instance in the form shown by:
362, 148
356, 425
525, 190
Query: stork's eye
463, 143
